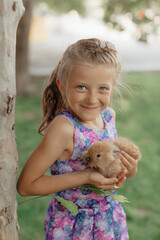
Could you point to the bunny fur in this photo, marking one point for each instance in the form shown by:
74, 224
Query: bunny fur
103, 156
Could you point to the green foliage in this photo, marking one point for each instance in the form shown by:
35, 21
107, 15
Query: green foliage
137, 11
72, 207
116, 197
138, 118
62, 6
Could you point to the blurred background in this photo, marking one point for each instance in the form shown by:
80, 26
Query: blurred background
46, 29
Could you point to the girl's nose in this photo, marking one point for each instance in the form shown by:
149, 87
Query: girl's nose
91, 98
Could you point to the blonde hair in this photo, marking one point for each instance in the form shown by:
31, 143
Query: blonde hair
86, 51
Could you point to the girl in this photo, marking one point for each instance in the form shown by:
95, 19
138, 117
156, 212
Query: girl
76, 113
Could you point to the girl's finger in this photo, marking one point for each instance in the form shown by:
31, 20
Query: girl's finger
125, 162
109, 181
131, 160
121, 182
122, 174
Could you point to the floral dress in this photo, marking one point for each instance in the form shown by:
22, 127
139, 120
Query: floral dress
99, 217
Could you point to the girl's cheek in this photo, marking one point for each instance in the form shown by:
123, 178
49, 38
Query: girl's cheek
106, 99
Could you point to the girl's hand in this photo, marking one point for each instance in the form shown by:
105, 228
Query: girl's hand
121, 179
98, 180
129, 163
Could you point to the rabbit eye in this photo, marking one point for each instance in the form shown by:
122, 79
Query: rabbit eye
98, 155
87, 159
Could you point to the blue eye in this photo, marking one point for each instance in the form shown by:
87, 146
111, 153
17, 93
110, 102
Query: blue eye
81, 87
104, 89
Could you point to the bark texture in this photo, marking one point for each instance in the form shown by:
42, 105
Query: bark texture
10, 14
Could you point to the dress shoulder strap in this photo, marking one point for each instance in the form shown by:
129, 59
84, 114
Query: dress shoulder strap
106, 115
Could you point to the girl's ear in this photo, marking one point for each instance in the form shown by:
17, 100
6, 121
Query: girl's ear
59, 85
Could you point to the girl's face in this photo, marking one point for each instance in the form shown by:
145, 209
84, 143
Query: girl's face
88, 91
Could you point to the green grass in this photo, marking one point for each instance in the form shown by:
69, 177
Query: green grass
138, 118
140, 121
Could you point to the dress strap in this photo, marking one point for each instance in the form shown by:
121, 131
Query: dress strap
106, 115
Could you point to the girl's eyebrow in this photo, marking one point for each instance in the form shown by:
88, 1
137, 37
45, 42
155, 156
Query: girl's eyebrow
106, 84
80, 83
84, 83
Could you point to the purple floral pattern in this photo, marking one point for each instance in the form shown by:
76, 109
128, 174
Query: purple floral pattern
99, 217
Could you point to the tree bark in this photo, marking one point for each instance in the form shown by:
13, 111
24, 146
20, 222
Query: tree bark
10, 14
22, 47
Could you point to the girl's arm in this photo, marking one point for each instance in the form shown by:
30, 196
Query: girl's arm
56, 144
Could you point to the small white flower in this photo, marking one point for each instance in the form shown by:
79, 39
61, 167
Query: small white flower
111, 45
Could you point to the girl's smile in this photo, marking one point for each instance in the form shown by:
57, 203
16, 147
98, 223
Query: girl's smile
89, 108
88, 92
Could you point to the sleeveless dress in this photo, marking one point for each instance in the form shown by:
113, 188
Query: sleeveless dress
99, 217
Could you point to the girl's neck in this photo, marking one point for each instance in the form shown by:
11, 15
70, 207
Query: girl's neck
97, 124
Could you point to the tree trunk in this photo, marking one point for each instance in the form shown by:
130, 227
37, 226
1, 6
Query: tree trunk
22, 68
10, 14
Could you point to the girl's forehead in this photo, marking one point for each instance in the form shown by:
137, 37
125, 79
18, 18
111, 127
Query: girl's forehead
85, 72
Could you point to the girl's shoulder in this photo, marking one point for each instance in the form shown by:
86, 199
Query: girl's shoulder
70, 117
61, 126
62, 122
